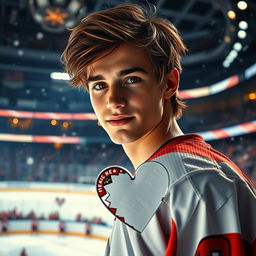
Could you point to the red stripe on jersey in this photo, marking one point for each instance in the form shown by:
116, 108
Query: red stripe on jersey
171, 249
194, 144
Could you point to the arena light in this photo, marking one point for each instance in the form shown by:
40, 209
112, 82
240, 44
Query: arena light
58, 145
16, 137
227, 39
231, 14
243, 25
233, 53
226, 64
242, 5
241, 34
47, 115
250, 72
15, 121
229, 58
237, 46
53, 122
252, 96
74, 6
65, 125
56, 16
59, 76
16, 43
39, 35
42, 3
30, 160
236, 130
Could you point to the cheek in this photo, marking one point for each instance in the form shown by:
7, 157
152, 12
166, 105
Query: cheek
151, 105
96, 104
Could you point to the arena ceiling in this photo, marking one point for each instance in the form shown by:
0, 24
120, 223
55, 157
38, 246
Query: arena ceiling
33, 34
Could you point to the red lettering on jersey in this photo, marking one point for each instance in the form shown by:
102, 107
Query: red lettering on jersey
224, 245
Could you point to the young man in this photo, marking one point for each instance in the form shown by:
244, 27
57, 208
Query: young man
129, 61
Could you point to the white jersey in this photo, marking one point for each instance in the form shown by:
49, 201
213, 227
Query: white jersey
209, 209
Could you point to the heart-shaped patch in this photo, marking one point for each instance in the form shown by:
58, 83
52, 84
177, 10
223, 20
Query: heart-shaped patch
133, 199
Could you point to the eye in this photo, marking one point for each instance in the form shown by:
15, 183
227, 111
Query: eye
98, 86
132, 80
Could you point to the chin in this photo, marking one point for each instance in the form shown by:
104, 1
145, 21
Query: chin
119, 141
122, 138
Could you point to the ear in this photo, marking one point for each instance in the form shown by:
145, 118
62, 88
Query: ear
172, 83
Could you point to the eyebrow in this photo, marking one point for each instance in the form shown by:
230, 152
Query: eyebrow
121, 73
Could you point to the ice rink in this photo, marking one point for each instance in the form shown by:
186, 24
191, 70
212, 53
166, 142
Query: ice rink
50, 245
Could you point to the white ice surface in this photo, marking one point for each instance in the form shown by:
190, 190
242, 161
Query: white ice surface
50, 245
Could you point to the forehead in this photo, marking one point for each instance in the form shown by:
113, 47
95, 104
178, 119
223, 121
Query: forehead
124, 56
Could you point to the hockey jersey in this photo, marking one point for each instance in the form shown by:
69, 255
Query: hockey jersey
209, 208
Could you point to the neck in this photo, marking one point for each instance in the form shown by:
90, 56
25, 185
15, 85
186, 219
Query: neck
139, 151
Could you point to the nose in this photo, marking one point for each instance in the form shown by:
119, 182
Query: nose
116, 97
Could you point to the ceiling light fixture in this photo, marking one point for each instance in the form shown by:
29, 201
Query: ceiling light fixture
242, 5
243, 25
231, 14
241, 34
237, 46
59, 76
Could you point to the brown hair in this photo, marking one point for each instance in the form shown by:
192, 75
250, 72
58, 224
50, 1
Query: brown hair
101, 32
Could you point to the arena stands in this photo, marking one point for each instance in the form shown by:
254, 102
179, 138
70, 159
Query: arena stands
82, 163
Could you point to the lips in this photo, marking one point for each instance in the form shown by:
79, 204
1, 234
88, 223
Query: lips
119, 120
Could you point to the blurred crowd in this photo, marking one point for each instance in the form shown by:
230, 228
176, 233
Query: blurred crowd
214, 118
7, 216
56, 163
32, 215
242, 151
82, 163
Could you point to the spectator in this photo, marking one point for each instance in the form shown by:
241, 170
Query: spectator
23, 252
79, 217
34, 225
61, 226
4, 224
88, 228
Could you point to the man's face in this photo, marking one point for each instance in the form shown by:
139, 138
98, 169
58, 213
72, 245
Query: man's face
125, 94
